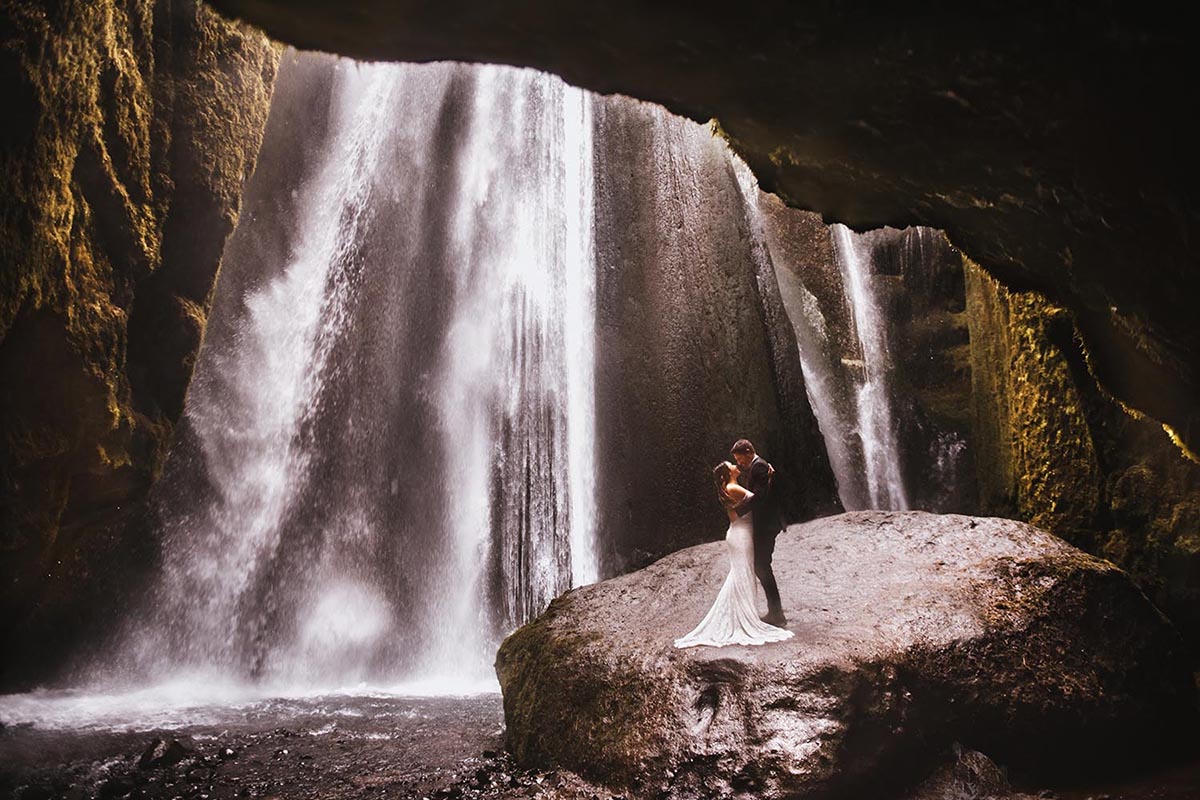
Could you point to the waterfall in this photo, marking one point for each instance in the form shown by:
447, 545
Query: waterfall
829, 293
516, 393
882, 331
835, 416
877, 426
387, 459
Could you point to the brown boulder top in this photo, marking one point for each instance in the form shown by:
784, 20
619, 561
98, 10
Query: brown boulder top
854, 586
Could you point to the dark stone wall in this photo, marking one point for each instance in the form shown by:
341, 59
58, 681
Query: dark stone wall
693, 350
1052, 447
920, 282
916, 278
131, 127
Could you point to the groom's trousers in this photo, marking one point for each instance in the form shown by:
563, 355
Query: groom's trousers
764, 549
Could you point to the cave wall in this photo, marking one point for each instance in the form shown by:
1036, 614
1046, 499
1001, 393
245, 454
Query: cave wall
132, 125
1051, 447
922, 293
1003, 375
131, 128
693, 349
916, 278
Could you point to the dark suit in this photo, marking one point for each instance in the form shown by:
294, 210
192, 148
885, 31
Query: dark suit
767, 524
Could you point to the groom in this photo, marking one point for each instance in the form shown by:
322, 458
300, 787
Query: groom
757, 476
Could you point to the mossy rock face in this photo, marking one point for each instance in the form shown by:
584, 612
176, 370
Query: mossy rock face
132, 128
913, 631
1053, 448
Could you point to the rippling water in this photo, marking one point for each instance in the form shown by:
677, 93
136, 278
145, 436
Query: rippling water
199, 700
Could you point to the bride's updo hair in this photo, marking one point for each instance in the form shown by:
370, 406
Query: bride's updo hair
721, 477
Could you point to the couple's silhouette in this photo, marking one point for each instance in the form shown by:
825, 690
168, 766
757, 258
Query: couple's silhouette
744, 487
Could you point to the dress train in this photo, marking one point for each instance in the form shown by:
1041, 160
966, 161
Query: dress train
733, 618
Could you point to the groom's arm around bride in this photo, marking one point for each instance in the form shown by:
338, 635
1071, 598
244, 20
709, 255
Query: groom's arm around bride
758, 479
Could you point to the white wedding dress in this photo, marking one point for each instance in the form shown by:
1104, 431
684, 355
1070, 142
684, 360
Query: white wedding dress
733, 618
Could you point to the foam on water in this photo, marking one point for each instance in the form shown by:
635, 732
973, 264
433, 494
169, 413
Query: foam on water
207, 700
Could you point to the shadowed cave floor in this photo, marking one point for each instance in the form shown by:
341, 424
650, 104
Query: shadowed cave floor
350, 747
346, 747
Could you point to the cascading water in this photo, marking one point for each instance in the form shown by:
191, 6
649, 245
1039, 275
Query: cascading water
877, 425
821, 382
398, 429
842, 335
880, 325
247, 407
517, 389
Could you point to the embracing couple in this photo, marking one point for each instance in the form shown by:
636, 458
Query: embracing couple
744, 488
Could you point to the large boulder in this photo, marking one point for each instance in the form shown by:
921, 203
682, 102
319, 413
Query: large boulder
913, 631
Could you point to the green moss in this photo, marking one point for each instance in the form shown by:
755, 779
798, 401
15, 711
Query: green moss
1058, 474
992, 434
1173, 435
132, 127
1055, 449
566, 691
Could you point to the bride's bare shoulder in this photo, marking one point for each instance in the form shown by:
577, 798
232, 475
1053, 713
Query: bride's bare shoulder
736, 490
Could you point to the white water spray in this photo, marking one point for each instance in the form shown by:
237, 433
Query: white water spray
517, 388
399, 474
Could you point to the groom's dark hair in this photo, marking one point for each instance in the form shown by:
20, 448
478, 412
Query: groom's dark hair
742, 446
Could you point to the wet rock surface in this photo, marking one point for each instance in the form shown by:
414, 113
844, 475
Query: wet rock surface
1052, 448
693, 351
326, 747
967, 774
912, 631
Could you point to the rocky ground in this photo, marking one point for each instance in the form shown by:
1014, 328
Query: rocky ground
279, 763
923, 642
344, 747
444, 749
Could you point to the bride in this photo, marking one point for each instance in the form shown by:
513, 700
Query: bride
733, 618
